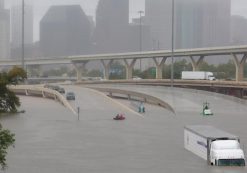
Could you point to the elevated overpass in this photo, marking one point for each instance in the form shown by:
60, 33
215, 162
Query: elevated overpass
238, 53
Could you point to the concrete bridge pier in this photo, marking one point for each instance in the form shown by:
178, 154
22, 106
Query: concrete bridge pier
80, 68
196, 63
159, 66
107, 66
129, 68
239, 64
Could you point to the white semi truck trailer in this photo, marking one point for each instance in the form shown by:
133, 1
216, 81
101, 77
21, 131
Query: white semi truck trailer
216, 146
197, 75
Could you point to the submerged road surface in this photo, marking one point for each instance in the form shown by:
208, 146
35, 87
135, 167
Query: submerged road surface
50, 139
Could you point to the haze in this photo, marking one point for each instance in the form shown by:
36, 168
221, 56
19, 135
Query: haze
57, 32
239, 7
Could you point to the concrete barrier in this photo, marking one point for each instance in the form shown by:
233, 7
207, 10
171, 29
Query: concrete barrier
40, 91
131, 95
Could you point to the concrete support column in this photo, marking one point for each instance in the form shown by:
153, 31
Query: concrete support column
80, 68
159, 66
106, 68
129, 68
239, 66
195, 64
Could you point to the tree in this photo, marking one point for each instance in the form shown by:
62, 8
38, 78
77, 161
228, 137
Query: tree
178, 66
117, 71
95, 73
8, 103
6, 140
149, 73
8, 100
204, 66
226, 71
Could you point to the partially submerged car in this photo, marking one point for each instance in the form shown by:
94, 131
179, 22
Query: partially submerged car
56, 88
70, 96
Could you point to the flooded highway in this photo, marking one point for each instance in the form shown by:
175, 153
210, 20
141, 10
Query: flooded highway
49, 137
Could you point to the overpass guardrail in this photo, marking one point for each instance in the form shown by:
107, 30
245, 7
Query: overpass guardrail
131, 95
40, 91
176, 82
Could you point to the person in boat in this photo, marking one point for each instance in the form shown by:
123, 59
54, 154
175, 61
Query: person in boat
121, 116
118, 116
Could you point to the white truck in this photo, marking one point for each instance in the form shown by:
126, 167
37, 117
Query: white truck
216, 146
197, 75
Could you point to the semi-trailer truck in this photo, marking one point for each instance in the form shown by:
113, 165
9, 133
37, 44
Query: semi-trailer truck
197, 75
216, 146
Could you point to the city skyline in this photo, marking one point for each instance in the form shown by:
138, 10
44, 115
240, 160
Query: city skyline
198, 23
89, 6
4, 31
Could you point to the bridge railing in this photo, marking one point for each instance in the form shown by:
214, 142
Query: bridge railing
131, 95
40, 91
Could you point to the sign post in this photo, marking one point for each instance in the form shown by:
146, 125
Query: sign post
78, 113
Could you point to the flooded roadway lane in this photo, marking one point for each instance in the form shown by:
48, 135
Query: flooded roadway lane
50, 139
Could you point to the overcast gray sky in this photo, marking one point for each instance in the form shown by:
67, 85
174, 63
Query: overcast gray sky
239, 7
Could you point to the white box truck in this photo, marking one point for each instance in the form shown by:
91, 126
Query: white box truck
197, 75
216, 146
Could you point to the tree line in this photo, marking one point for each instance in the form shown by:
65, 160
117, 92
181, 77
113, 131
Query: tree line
9, 103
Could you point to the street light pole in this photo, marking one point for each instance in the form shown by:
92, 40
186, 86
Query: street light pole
22, 45
140, 39
172, 55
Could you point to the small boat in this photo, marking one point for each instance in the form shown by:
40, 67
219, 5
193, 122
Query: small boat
206, 110
119, 117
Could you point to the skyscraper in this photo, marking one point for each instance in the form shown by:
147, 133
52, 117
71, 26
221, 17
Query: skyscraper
4, 31
238, 30
188, 23
16, 30
198, 23
65, 30
202, 23
216, 22
158, 15
16, 23
112, 20
1, 4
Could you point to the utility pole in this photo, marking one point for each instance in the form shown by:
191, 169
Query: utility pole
172, 55
140, 39
23, 36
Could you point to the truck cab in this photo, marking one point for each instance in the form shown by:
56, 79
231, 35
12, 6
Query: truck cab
226, 153
210, 76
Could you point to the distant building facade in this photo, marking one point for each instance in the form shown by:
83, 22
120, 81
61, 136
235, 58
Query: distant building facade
65, 30
135, 32
16, 30
16, 25
216, 23
1, 4
238, 30
158, 15
112, 23
198, 23
202, 23
114, 34
4, 31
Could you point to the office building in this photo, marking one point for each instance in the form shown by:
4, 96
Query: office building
65, 30
158, 15
238, 30
16, 30
202, 23
4, 31
112, 20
